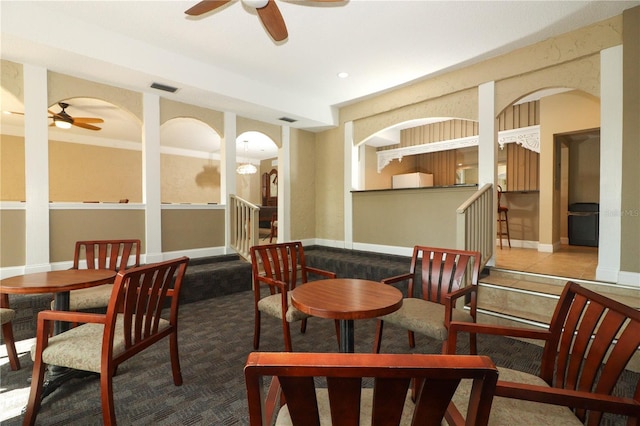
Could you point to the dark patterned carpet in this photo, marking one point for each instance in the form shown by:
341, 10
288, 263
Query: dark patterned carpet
215, 339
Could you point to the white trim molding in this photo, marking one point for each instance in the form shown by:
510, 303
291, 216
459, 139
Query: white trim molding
528, 137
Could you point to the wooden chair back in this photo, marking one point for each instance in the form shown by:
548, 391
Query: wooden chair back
107, 254
296, 374
436, 272
592, 338
282, 262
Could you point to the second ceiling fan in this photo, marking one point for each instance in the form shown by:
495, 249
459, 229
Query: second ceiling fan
63, 120
268, 12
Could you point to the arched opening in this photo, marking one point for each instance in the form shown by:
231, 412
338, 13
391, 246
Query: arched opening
96, 157
189, 162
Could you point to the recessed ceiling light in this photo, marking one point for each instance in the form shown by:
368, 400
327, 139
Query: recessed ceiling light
343, 74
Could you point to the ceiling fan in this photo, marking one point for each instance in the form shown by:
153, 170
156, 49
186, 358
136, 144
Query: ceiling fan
64, 121
268, 12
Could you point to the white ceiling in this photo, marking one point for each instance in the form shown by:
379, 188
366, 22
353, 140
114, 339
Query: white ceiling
226, 60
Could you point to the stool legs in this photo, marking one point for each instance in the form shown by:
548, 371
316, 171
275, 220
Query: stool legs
502, 217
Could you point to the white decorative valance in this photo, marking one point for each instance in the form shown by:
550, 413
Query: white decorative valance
528, 137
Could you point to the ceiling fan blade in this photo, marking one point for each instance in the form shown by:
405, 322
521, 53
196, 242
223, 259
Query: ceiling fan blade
272, 20
205, 6
87, 120
86, 126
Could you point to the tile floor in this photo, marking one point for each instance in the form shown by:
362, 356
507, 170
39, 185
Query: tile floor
578, 262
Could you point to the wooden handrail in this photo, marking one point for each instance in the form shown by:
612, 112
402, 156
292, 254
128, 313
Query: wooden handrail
243, 225
475, 224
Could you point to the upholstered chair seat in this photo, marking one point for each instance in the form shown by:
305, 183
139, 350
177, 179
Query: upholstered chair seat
6, 316
272, 305
89, 298
80, 348
514, 412
425, 317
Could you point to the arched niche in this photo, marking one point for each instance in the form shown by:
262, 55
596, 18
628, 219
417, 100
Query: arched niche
189, 162
443, 147
257, 149
98, 164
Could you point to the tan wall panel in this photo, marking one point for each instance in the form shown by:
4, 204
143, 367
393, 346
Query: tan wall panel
172, 109
12, 238
69, 226
62, 87
302, 221
12, 178
523, 215
329, 184
630, 221
192, 229
80, 173
405, 217
189, 179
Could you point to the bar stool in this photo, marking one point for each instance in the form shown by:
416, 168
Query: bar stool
503, 218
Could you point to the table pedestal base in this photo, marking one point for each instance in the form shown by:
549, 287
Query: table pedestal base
346, 336
57, 376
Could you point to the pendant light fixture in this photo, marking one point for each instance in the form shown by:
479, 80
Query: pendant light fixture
247, 168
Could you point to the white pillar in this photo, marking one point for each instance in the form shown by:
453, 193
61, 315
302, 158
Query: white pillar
350, 178
151, 176
611, 93
488, 144
36, 151
228, 171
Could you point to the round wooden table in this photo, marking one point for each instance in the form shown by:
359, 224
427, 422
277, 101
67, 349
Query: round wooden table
346, 299
60, 283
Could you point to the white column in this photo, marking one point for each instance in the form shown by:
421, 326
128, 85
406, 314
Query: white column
36, 147
284, 186
228, 171
151, 176
611, 92
488, 144
350, 179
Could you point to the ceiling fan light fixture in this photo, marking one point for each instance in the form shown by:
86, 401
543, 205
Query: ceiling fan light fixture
61, 124
256, 4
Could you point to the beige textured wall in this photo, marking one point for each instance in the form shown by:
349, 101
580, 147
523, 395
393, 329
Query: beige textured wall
569, 60
69, 226
303, 185
563, 113
378, 214
523, 215
630, 207
12, 183
329, 185
192, 229
189, 179
12, 238
61, 87
80, 172
172, 109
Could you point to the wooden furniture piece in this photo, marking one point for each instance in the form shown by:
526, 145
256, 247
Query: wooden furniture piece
270, 188
274, 228
438, 279
132, 323
346, 299
280, 267
345, 402
588, 344
503, 218
101, 254
60, 283
6, 316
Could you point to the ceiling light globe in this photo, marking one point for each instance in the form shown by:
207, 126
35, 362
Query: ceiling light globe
257, 4
63, 124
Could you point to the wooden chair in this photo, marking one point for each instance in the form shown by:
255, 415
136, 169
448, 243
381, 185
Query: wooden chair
438, 279
132, 323
590, 340
101, 254
274, 228
345, 402
503, 218
6, 316
280, 267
